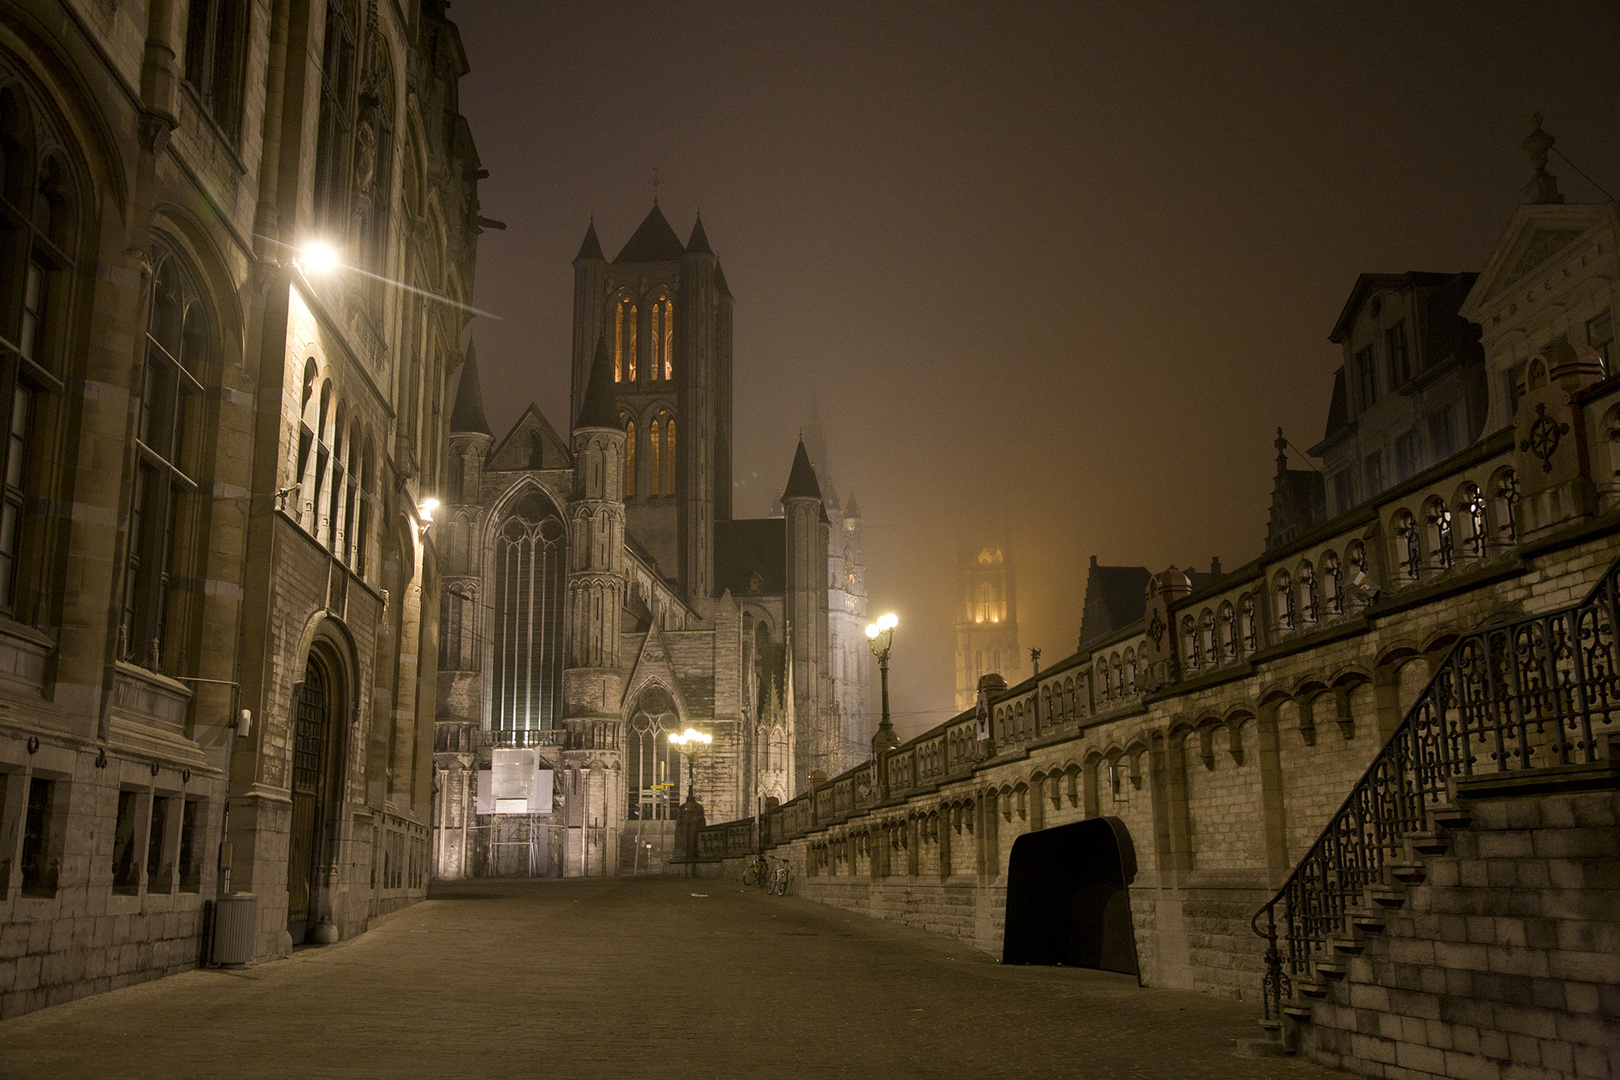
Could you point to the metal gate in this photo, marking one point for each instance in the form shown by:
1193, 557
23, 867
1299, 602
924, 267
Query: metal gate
309, 744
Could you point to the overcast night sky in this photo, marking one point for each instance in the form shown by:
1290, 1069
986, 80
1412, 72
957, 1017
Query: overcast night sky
1054, 273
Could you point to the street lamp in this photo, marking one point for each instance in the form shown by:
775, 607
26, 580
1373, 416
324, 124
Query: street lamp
880, 636
318, 258
687, 744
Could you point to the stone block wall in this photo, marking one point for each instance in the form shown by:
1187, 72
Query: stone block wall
1504, 963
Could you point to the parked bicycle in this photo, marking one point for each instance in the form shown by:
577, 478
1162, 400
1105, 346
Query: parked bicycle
779, 878
757, 874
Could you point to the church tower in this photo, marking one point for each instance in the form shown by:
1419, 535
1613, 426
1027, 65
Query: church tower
664, 313
593, 679
816, 735
987, 621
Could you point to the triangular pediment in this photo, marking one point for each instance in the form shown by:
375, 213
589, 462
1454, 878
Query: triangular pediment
1537, 237
531, 444
653, 667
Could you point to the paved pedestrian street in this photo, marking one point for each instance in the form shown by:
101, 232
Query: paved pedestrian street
650, 977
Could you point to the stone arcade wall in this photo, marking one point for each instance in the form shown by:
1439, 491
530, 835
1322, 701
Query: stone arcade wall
1223, 750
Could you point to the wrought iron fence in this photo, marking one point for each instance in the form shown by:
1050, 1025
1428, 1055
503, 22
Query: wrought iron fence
1530, 693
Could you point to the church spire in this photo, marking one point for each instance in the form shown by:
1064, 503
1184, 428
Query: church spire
590, 247
467, 415
599, 409
802, 479
699, 243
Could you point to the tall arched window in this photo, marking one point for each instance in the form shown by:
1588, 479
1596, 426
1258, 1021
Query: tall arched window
1246, 623
1408, 545
1332, 583
624, 341
336, 136
669, 457
530, 570
1309, 606
629, 457
654, 458
1438, 517
1284, 591
38, 223
653, 767
1471, 507
1206, 633
179, 337
1228, 629
216, 44
1190, 652
663, 338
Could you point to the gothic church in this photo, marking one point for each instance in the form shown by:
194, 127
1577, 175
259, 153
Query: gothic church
600, 596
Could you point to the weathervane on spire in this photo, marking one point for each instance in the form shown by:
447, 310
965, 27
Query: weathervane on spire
656, 182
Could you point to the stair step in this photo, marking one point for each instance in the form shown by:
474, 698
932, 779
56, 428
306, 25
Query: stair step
1300, 1011
1329, 970
1450, 816
1407, 873
1386, 896
1366, 921
1311, 988
1348, 946
1429, 843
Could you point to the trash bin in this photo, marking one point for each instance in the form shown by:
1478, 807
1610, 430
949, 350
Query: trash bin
236, 919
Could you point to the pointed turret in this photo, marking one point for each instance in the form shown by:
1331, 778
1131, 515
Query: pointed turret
653, 241
467, 416
802, 479
699, 243
599, 409
720, 285
590, 247
852, 508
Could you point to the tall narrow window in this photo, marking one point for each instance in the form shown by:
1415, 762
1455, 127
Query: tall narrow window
530, 568
335, 138
663, 339
629, 457
669, 456
216, 40
654, 473
630, 348
163, 493
618, 342
669, 341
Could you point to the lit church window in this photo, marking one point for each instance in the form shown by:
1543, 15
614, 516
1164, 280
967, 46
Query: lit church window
654, 473
624, 342
663, 338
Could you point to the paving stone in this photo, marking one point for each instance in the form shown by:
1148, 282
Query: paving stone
640, 977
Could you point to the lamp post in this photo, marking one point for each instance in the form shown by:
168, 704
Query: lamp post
688, 743
880, 636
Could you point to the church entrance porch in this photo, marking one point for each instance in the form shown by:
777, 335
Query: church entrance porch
316, 787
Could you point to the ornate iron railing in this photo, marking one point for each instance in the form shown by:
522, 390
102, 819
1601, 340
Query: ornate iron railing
1530, 693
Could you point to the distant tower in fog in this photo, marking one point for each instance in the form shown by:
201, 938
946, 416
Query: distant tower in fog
986, 620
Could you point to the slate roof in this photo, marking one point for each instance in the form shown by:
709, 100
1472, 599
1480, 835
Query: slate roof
591, 247
468, 412
599, 410
653, 241
744, 548
802, 479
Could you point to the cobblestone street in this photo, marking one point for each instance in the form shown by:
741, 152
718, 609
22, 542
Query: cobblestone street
637, 977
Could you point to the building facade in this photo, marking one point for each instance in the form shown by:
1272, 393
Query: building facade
1389, 740
211, 618
600, 595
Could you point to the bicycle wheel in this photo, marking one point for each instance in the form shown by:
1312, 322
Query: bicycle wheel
751, 876
779, 883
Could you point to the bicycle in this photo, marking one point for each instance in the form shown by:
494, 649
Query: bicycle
757, 873
779, 878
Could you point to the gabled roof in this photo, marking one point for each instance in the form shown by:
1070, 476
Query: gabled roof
514, 453
699, 243
1537, 234
802, 479
653, 241
590, 247
748, 547
467, 415
1367, 284
599, 409
1116, 596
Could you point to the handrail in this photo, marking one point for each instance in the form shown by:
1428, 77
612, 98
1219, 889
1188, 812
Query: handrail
1522, 693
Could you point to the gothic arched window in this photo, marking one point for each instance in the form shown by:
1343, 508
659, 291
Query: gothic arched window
336, 135
1471, 507
663, 339
655, 458
530, 568
179, 338
669, 456
624, 342
1437, 515
653, 766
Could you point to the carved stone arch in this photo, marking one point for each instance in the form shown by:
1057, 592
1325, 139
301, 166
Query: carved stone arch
1308, 686
507, 501
198, 247
1397, 653
1440, 640
1234, 720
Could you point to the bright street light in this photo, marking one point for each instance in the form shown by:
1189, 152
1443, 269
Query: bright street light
318, 258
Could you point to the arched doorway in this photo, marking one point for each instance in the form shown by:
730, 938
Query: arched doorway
317, 739
1066, 897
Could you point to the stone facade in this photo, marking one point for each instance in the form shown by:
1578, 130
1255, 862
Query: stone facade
675, 613
1225, 722
212, 633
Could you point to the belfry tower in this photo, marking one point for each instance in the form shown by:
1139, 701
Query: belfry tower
986, 620
593, 679
663, 311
